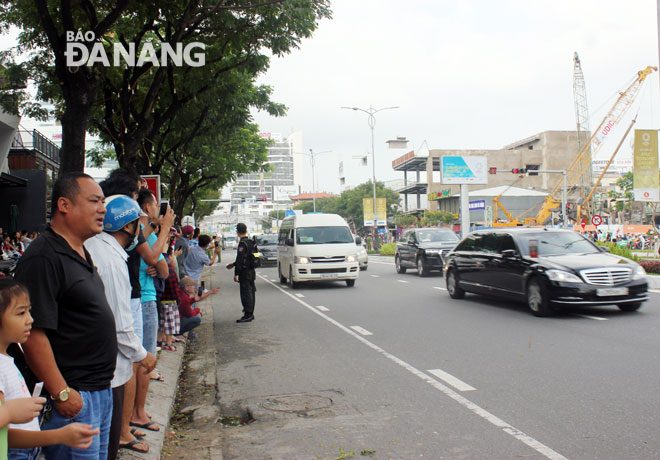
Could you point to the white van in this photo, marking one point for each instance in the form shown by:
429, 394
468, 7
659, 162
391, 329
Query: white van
229, 241
316, 247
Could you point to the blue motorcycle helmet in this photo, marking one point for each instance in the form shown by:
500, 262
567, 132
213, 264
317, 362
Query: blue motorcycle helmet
119, 211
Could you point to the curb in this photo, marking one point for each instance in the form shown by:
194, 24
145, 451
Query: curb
653, 281
160, 402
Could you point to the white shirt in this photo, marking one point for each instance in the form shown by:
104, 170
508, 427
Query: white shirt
12, 385
110, 261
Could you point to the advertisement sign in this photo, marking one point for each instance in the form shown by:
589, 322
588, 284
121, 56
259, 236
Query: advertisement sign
479, 204
464, 170
439, 195
368, 210
284, 192
645, 165
381, 211
152, 182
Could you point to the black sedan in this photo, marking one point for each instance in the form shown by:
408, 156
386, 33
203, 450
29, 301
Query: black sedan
546, 268
267, 244
423, 249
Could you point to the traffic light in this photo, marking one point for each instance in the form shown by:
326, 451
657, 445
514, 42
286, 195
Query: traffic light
519, 171
261, 198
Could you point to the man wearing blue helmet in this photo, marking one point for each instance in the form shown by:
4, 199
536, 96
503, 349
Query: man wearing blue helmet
108, 250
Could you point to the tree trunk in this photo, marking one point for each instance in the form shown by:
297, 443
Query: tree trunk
79, 90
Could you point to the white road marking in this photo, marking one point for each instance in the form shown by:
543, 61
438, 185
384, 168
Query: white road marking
403, 281
654, 290
382, 263
282, 286
322, 308
375, 276
440, 288
361, 330
472, 407
300, 295
597, 318
451, 380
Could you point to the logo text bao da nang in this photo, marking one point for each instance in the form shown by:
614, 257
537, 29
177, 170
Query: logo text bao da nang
78, 52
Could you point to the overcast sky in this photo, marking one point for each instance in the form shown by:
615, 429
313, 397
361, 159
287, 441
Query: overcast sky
465, 74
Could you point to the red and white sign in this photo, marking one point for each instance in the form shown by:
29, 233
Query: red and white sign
583, 223
596, 220
152, 182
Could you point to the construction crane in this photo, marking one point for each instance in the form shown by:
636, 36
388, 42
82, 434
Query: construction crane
600, 135
582, 119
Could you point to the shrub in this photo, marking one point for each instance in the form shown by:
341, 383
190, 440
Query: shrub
616, 250
651, 266
387, 249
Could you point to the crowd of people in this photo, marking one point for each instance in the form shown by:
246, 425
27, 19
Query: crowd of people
109, 283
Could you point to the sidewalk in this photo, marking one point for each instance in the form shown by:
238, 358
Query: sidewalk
162, 395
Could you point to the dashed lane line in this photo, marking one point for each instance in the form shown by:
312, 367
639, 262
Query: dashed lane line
403, 281
375, 276
439, 288
322, 308
361, 330
466, 403
300, 295
597, 318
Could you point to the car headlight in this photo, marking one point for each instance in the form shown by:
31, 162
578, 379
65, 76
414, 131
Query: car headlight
351, 258
562, 276
638, 273
301, 260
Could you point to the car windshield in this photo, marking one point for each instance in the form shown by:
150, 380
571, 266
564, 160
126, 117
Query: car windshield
557, 243
265, 240
436, 235
323, 235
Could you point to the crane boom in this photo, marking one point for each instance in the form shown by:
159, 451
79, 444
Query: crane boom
581, 118
577, 167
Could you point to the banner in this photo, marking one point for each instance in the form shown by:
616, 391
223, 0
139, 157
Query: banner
645, 165
381, 211
464, 170
368, 210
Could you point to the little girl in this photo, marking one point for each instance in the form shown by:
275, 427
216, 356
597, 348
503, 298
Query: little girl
18, 408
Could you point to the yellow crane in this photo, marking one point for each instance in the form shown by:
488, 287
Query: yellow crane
577, 167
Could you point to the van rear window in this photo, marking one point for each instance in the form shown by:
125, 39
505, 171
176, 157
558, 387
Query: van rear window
323, 235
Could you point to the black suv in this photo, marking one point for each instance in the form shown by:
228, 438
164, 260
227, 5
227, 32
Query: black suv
423, 249
545, 268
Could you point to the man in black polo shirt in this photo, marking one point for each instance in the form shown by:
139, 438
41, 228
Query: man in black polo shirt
73, 344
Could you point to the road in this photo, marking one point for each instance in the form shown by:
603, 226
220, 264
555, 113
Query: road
393, 365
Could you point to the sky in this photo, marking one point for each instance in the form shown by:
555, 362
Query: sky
474, 74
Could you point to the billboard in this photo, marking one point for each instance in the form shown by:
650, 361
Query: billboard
645, 165
284, 192
368, 210
464, 170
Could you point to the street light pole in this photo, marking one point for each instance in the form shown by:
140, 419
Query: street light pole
371, 120
312, 156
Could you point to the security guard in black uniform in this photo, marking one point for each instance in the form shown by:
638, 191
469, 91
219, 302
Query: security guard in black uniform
244, 274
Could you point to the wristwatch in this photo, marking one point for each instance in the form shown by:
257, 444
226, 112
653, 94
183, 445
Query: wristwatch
62, 395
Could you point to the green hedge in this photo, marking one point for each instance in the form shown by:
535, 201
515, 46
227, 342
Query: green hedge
387, 249
616, 250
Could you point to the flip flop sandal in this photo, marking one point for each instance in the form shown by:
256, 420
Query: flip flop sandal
169, 347
137, 434
160, 377
131, 446
151, 426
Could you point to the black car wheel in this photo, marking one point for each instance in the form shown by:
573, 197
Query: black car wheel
350, 283
282, 277
537, 297
292, 284
634, 306
397, 264
421, 266
454, 290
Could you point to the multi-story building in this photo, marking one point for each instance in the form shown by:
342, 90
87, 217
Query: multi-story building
257, 194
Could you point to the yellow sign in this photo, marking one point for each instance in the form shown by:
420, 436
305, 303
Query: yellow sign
368, 210
381, 211
645, 165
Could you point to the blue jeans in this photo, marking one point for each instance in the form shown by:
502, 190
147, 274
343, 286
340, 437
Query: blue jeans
150, 325
188, 324
96, 411
24, 454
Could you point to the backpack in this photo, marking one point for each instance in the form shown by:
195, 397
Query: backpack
253, 257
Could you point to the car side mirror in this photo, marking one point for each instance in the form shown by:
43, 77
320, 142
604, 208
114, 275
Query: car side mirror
289, 241
509, 253
358, 241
